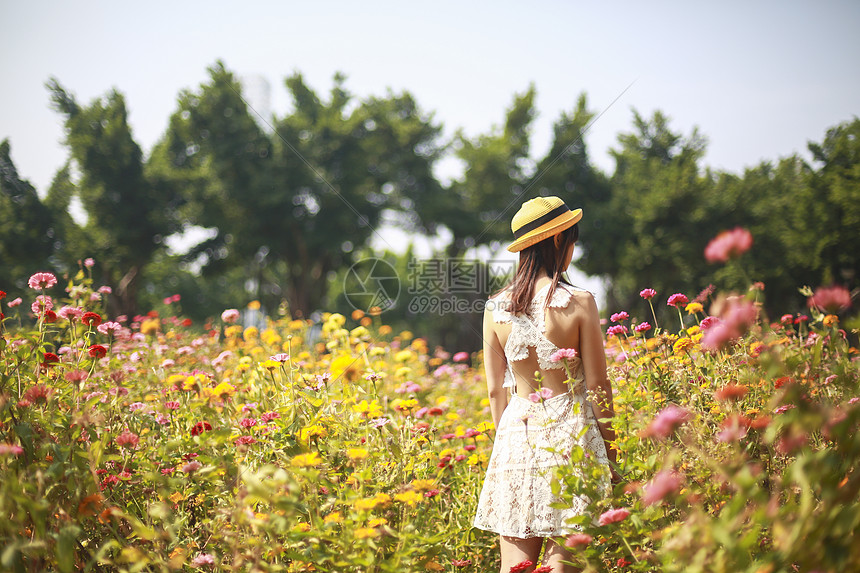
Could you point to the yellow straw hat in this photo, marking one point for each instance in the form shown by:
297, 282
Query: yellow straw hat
540, 218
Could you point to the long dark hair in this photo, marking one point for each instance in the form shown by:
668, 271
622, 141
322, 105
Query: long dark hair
543, 255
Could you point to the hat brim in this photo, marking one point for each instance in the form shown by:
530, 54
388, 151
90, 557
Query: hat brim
546, 230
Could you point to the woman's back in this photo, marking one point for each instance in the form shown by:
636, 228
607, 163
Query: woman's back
531, 338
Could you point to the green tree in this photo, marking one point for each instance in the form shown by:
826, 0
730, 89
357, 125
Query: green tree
127, 215
27, 233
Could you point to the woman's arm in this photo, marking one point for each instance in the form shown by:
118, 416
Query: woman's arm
494, 366
594, 364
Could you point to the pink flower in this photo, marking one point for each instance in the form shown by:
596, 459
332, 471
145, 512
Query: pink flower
203, 559
830, 299
461, 357
663, 484
282, 357
105, 289
15, 302
269, 416
563, 354
540, 395
172, 405
230, 315
734, 428
245, 441
70, 313
667, 421
6, 449
728, 245
738, 316
42, 281
616, 330
578, 540
89, 262
642, 327
248, 422
647, 293
109, 327
42, 303
191, 467
619, 316
127, 439
614, 516
677, 300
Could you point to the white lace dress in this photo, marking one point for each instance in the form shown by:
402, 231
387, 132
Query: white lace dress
533, 439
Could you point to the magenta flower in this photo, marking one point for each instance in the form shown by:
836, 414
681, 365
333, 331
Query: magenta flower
619, 316
6, 449
677, 300
614, 516
830, 299
15, 302
248, 422
172, 405
663, 484
647, 293
461, 357
728, 245
616, 330
667, 421
282, 357
642, 327
42, 281
562, 354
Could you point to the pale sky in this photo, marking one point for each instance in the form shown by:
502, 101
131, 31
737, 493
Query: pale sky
759, 79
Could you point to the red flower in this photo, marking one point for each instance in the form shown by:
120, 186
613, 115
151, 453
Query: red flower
619, 316
186, 323
97, 351
200, 427
37, 394
544, 569
245, 441
648, 293
521, 566
461, 562
50, 358
50, 316
91, 319
2, 294
731, 392
622, 562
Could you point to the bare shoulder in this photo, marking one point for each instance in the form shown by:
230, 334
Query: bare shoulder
581, 303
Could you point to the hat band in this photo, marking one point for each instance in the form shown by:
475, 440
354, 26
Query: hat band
542, 220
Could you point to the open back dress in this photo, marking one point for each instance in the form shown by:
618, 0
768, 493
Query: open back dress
535, 438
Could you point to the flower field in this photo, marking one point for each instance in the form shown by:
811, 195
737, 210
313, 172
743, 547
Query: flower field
152, 444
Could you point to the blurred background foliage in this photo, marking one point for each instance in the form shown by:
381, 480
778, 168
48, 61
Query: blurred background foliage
290, 203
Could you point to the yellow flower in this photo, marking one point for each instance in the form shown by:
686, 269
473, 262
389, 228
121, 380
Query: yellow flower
333, 517
312, 431
336, 319
359, 331
683, 345
694, 307
368, 409
693, 330
149, 326
296, 324
301, 527
232, 330
244, 364
356, 454
251, 333
223, 389
175, 379
404, 405
345, 365
365, 532
309, 460
403, 356
478, 459
409, 497
452, 416
830, 320
423, 484
270, 337
376, 522
403, 372
270, 365
406, 335
254, 305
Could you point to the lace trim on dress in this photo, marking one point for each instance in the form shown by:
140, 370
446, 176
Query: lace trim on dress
528, 329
